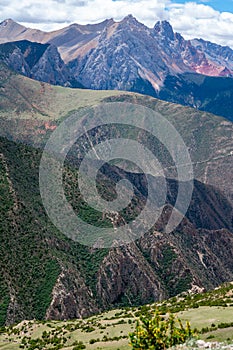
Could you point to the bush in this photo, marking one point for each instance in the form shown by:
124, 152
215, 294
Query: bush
79, 346
157, 333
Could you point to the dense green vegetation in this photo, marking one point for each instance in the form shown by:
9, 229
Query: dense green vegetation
30, 247
34, 253
168, 258
28, 270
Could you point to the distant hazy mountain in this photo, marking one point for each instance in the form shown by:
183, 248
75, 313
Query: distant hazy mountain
129, 56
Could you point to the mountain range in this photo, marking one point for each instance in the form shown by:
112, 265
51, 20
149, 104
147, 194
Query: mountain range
128, 56
44, 274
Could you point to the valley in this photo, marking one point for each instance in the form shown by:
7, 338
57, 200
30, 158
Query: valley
58, 291
63, 279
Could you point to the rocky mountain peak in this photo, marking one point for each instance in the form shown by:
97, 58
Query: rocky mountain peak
131, 24
165, 29
130, 19
10, 29
6, 22
91, 27
10, 23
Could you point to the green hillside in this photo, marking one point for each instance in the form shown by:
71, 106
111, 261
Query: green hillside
24, 98
30, 110
36, 257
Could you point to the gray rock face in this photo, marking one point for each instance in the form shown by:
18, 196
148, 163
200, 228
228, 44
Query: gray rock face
126, 52
121, 57
129, 55
50, 68
16, 61
38, 61
221, 55
71, 297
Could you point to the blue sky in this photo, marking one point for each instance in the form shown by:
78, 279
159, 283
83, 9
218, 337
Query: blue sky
208, 19
219, 5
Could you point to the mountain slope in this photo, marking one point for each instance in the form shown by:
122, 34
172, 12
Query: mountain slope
46, 275
222, 55
38, 61
67, 39
30, 111
209, 94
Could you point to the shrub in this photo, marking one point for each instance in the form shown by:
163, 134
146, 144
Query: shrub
157, 333
79, 346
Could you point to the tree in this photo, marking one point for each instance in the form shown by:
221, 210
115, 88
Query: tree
157, 333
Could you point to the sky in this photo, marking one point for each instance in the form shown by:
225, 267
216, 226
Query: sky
219, 5
208, 19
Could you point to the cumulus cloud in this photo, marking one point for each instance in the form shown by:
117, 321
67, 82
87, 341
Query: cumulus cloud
81, 11
191, 19
202, 21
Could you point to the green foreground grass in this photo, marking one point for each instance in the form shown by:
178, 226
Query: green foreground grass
110, 330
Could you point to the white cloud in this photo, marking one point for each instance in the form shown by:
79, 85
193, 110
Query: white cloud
81, 11
190, 19
202, 21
